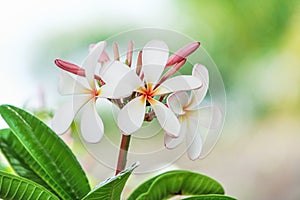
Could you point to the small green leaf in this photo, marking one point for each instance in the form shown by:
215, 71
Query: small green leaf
112, 188
46, 154
210, 197
14, 187
176, 182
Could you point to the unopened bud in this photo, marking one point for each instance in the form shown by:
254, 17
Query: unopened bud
116, 51
103, 56
171, 71
139, 63
129, 53
182, 53
70, 67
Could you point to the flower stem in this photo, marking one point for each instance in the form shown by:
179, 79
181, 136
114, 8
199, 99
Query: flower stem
123, 153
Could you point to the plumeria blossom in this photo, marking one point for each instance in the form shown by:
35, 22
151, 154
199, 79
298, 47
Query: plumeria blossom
84, 93
191, 116
148, 87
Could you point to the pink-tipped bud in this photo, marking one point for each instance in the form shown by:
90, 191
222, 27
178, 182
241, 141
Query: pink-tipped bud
183, 53
116, 51
171, 71
139, 63
70, 67
129, 53
103, 57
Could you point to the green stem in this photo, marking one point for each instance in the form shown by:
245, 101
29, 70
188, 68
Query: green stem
125, 141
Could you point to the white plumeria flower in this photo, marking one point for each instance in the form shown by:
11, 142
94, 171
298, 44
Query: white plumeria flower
191, 116
84, 96
154, 58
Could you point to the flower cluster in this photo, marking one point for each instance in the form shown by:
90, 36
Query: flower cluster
142, 92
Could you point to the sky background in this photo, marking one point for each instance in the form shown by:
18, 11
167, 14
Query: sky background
256, 46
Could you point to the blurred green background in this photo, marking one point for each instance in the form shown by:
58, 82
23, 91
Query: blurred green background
255, 44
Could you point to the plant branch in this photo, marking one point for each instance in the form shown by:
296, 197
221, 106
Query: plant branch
125, 141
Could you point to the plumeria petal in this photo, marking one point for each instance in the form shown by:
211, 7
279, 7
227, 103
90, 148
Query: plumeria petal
166, 118
92, 128
131, 117
201, 72
63, 118
127, 84
154, 59
120, 82
198, 95
171, 142
179, 83
91, 61
107, 70
107, 91
113, 71
64, 115
68, 85
193, 139
177, 102
196, 98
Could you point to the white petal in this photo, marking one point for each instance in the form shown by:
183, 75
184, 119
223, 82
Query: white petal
123, 88
201, 72
166, 118
91, 61
63, 118
113, 71
193, 140
68, 85
171, 142
198, 95
91, 126
179, 83
131, 117
106, 91
154, 59
64, 115
177, 102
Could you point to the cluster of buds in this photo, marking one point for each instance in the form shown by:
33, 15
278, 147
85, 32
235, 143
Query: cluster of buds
142, 91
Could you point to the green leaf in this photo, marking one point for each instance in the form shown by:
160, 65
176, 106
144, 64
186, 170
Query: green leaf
210, 197
143, 188
112, 188
17, 156
14, 187
177, 182
46, 154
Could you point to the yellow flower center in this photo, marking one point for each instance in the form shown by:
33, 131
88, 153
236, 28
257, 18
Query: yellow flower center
95, 93
147, 92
